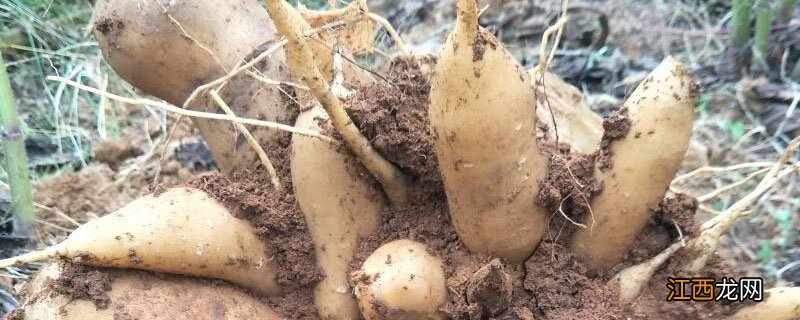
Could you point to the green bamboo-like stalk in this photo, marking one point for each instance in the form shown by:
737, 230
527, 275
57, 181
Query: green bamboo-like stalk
787, 10
740, 23
764, 16
14, 150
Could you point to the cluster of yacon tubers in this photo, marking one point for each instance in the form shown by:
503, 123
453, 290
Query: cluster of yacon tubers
483, 111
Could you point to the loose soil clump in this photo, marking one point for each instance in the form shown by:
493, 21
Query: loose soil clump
81, 282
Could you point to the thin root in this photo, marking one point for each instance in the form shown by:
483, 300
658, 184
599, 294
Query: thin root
194, 114
276, 182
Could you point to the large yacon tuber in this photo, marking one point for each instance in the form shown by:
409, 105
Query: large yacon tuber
181, 231
661, 112
484, 124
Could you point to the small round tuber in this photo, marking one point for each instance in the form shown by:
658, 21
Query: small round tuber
401, 280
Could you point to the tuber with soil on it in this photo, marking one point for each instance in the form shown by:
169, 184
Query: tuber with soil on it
379, 261
484, 125
169, 48
127, 294
341, 205
181, 230
645, 160
401, 280
782, 303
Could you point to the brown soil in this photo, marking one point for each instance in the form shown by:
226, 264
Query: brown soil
615, 126
16, 314
104, 187
393, 115
277, 218
568, 187
114, 151
81, 282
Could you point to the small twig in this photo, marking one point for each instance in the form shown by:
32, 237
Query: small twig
261, 78
708, 241
717, 192
401, 45
163, 155
192, 113
708, 169
276, 182
564, 214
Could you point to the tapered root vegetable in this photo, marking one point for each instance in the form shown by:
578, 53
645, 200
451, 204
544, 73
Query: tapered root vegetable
302, 63
142, 296
630, 282
340, 204
779, 304
483, 120
180, 231
644, 162
401, 280
576, 124
168, 48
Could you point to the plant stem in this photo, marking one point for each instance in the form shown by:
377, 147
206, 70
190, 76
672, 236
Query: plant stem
740, 27
14, 150
763, 31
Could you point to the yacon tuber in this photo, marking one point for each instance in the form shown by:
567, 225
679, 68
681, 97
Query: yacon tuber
401, 280
341, 205
142, 296
661, 111
484, 125
181, 231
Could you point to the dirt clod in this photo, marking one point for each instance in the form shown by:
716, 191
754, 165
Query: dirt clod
81, 282
490, 290
615, 127
393, 115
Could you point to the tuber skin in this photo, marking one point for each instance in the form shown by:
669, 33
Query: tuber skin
143, 296
341, 205
577, 125
782, 303
401, 280
661, 111
148, 50
181, 231
484, 128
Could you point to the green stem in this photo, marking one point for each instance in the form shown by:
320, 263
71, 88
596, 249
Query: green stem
762, 32
14, 150
787, 10
740, 24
